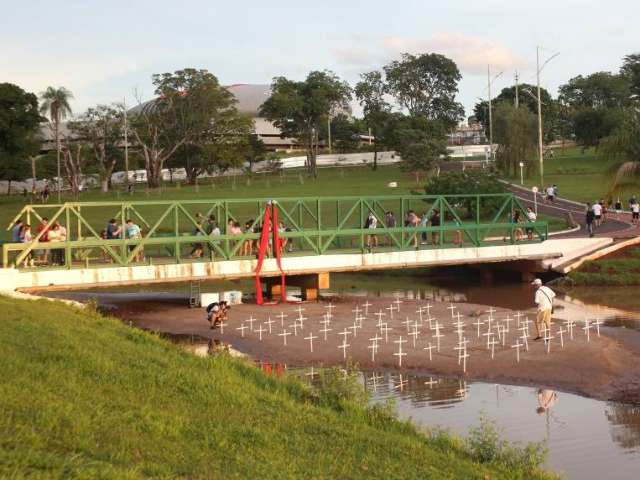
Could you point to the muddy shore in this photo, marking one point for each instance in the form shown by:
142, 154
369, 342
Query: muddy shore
605, 368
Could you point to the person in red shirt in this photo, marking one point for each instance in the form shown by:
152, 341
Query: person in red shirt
42, 254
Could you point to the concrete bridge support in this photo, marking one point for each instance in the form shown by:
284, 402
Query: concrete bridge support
309, 285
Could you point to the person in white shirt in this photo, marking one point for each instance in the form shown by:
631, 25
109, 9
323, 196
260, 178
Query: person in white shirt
551, 193
597, 212
371, 224
544, 300
635, 213
532, 217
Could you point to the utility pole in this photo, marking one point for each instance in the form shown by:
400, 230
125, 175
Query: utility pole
540, 152
489, 82
126, 144
517, 103
329, 131
540, 149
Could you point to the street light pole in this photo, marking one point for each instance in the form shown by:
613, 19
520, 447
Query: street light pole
489, 82
126, 145
329, 131
540, 150
521, 173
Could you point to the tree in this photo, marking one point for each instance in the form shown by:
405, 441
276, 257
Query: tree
73, 161
102, 128
299, 109
631, 70
421, 142
527, 98
55, 105
622, 149
516, 132
370, 92
426, 85
345, 133
19, 126
591, 125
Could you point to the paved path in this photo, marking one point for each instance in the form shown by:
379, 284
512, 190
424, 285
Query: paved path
617, 229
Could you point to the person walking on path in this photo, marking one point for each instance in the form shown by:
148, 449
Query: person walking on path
618, 207
589, 219
635, 213
544, 300
597, 212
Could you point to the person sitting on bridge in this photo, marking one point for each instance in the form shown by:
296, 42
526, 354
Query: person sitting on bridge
544, 300
114, 231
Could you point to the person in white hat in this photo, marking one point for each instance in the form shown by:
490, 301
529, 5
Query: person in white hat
544, 300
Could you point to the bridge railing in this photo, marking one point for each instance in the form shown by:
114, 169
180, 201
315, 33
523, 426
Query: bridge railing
178, 231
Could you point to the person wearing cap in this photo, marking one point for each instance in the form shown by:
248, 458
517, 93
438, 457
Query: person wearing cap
544, 300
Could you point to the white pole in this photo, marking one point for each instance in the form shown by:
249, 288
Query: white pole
490, 117
126, 145
329, 131
521, 174
540, 152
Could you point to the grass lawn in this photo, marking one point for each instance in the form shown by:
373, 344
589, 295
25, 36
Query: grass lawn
84, 396
620, 269
582, 177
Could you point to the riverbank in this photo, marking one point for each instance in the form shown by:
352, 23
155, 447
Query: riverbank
598, 368
621, 268
85, 396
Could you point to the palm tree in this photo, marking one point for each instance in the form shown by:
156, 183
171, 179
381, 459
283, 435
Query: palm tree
55, 105
622, 149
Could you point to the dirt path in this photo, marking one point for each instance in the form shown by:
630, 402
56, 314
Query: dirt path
605, 367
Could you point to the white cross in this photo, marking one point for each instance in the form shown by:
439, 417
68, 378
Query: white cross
366, 306
259, 330
399, 353
502, 334
489, 320
414, 333
379, 314
517, 347
359, 320
402, 383
356, 311
374, 381
561, 331
493, 344
491, 311
222, 325
464, 357
587, 327
431, 383
300, 310
478, 323
310, 338
354, 329
597, 323
524, 338
419, 312
489, 336
344, 348
301, 320
326, 318
282, 316
390, 308
385, 329
462, 346
407, 323
375, 340
330, 306
428, 307
269, 323
451, 307
508, 321
397, 302
325, 330
250, 321
242, 328
437, 335
518, 316
284, 335
311, 373
295, 326
374, 348
430, 347
547, 338
569, 324
346, 333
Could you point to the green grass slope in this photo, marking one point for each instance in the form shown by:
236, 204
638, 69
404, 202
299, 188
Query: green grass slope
84, 396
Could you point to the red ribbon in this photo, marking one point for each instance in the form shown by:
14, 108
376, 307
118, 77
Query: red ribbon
270, 225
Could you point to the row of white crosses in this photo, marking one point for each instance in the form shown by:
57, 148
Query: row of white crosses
496, 333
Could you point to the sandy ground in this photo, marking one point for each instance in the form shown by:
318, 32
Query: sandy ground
607, 367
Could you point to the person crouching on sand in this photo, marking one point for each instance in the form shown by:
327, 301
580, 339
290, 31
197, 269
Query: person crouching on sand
544, 300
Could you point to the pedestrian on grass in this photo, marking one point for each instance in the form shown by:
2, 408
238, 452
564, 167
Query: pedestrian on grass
590, 217
544, 300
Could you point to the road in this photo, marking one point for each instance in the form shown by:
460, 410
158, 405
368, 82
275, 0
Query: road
615, 228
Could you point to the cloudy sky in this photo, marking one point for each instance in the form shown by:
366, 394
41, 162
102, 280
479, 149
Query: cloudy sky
105, 51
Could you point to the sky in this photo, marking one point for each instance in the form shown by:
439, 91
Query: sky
107, 51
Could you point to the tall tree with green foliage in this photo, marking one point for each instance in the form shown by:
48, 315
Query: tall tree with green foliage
101, 127
622, 149
426, 85
55, 105
515, 130
370, 92
19, 129
299, 109
631, 70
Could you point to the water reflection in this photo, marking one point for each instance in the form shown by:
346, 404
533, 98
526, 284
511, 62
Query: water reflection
586, 438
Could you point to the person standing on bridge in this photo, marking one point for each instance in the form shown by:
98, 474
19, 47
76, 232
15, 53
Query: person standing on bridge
390, 222
371, 223
544, 300
590, 217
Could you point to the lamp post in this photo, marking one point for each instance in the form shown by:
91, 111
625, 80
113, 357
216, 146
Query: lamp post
521, 173
489, 82
538, 70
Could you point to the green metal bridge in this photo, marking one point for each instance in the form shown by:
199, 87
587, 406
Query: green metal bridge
314, 226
